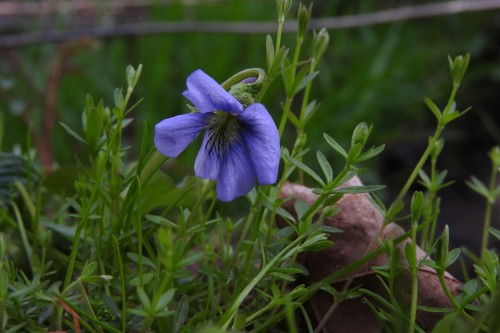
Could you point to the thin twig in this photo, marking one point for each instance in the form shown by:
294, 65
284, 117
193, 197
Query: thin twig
332, 23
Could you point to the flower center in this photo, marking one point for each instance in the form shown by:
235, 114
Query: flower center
222, 130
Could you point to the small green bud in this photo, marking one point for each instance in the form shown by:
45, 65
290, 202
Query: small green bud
304, 16
245, 94
458, 67
94, 120
320, 42
360, 134
437, 148
495, 156
300, 142
417, 206
283, 8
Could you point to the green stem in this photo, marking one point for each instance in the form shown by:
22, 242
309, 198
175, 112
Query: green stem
285, 115
414, 278
122, 283
228, 316
246, 228
316, 205
281, 20
452, 299
415, 172
487, 215
259, 73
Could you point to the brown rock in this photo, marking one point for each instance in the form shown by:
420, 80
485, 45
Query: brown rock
361, 223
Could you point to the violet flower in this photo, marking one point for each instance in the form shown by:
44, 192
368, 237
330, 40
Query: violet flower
241, 144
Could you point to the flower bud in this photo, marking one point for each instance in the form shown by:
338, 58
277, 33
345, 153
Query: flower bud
304, 16
283, 8
244, 93
95, 119
495, 156
360, 134
320, 42
437, 148
458, 67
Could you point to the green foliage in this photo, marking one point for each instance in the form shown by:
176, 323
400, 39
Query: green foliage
117, 243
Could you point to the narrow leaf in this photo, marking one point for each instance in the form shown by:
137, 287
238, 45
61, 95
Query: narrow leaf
307, 170
435, 110
335, 145
494, 232
325, 166
358, 189
71, 132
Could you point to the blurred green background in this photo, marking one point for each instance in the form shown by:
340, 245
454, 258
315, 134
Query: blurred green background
378, 74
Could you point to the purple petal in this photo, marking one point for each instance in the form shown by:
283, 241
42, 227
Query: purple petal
209, 96
173, 135
261, 136
237, 175
208, 161
230, 166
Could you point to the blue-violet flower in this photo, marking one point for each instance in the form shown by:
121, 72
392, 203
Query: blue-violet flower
241, 144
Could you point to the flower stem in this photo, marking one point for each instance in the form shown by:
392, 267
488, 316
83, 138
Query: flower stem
487, 213
414, 174
259, 73
414, 278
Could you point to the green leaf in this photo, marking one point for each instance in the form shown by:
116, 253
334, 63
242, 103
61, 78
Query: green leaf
354, 153
470, 286
164, 299
301, 207
417, 206
335, 145
288, 270
269, 52
131, 77
146, 278
282, 276
410, 255
285, 232
478, 186
426, 181
305, 81
371, 153
318, 246
98, 280
181, 313
310, 110
119, 100
307, 170
325, 166
358, 189
452, 256
444, 325
435, 110
285, 214
331, 230
72, 133
494, 232
144, 299
442, 249
89, 269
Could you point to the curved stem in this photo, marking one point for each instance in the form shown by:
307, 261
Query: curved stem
244, 74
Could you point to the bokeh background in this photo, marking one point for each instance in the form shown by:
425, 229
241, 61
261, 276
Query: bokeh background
54, 53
